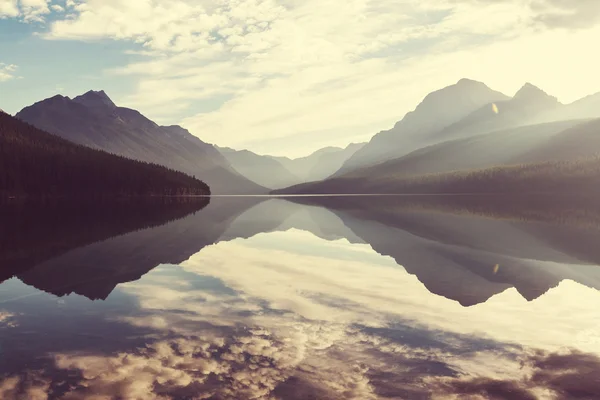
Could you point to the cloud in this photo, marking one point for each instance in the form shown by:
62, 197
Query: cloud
251, 73
279, 69
7, 72
8, 8
567, 14
30, 387
26, 10
553, 14
565, 375
243, 364
260, 365
7, 320
34, 10
322, 326
339, 292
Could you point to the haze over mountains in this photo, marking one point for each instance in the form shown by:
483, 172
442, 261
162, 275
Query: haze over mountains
279, 172
437, 111
469, 126
94, 120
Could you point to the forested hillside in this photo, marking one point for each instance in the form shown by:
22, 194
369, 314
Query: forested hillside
93, 120
571, 177
34, 163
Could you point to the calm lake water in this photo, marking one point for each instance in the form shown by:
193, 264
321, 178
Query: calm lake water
330, 298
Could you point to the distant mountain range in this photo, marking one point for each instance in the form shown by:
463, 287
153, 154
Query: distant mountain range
467, 128
36, 164
93, 120
437, 111
279, 172
463, 127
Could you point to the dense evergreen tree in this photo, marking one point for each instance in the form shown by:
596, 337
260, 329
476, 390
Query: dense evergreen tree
34, 163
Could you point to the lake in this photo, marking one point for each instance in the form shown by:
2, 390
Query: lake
386, 297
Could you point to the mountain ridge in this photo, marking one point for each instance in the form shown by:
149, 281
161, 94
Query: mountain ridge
278, 172
36, 165
437, 110
91, 120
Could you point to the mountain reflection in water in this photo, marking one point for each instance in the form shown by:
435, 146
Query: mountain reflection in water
335, 298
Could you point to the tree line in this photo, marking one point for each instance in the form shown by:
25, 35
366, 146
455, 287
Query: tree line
34, 163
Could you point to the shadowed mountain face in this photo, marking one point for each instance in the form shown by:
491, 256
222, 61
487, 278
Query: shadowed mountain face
36, 164
93, 120
279, 172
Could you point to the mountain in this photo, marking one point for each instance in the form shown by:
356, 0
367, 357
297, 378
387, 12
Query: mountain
264, 170
580, 177
482, 151
588, 107
37, 164
502, 133
529, 106
585, 108
578, 142
278, 172
95, 99
322, 163
93, 120
437, 111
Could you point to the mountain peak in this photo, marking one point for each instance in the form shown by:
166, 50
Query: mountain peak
531, 92
96, 99
466, 81
176, 129
449, 105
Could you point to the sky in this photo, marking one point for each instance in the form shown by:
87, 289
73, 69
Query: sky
287, 77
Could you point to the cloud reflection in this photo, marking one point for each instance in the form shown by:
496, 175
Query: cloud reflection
281, 322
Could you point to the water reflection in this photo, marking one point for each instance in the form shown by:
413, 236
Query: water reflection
337, 299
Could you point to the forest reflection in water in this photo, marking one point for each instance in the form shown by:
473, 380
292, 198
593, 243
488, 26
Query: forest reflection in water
378, 297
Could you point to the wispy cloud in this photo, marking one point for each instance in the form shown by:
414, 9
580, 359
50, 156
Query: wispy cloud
7, 72
26, 10
273, 69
